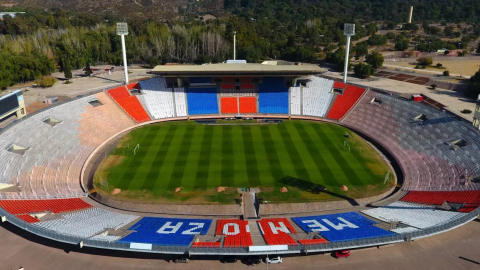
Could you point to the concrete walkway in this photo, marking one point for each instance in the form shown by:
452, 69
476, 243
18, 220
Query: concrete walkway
249, 205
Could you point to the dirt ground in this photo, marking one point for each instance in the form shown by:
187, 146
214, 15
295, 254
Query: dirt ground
465, 67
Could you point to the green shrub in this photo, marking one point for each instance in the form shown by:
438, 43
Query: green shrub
466, 111
446, 73
46, 81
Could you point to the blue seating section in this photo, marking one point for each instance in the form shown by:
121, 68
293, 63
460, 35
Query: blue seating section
200, 80
341, 227
273, 96
202, 100
166, 231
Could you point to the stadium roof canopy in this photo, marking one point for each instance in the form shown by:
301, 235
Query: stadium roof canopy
270, 68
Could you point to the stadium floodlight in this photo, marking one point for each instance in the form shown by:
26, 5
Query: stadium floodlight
122, 30
234, 45
349, 31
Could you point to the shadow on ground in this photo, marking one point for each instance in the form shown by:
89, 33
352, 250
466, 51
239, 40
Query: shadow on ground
313, 188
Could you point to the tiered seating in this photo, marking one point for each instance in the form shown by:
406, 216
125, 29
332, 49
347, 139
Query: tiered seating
129, 104
341, 227
228, 80
317, 97
229, 104
295, 101
245, 79
157, 98
17, 207
276, 231
87, 223
199, 81
438, 197
343, 103
180, 105
167, 231
314, 241
415, 215
28, 218
237, 232
228, 86
273, 96
133, 86
422, 148
248, 104
207, 244
247, 86
202, 100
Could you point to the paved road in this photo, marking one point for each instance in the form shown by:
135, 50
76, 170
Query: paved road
437, 252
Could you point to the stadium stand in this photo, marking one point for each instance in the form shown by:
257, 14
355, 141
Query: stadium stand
248, 104
202, 100
17, 207
295, 101
87, 223
317, 97
158, 99
438, 197
341, 227
423, 146
343, 103
28, 218
229, 104
228, 86
180, 105
129, 104
51, 166
207, 244
276, 231
414, 215
236, 231
273, 96
167, 231
199, 81
133, 86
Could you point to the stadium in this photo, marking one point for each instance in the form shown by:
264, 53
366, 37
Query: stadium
410, 168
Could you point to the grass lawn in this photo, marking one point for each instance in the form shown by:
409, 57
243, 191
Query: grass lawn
303, 156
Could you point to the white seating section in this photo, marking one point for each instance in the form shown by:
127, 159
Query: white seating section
317, 97
295, 99
157, 98
404, 230
414, 215
87, 223
180, 101
108, 238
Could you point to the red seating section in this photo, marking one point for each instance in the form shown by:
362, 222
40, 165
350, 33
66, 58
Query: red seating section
228, 80
28, 218
17, 207
247, 86
207, 244
468, 208
237, 232
133, 86
245, 79
129, 104
276, 231
313, 241
438, 197
228, 86
229, 104
339, 85
248, 105
344, 102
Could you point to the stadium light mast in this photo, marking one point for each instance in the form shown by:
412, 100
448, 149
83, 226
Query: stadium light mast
349, 31
122, 30
234, 45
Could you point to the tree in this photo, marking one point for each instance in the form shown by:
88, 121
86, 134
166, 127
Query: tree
375, 59
402, 44
88, 70
46, 81
425, 61
67, 71
446, 73
361, 49
363, 71
473, 89
478, 48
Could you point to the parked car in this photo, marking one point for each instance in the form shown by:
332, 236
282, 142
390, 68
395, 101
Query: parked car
342, 254
182, 260
276, 259
252, 260
229, 259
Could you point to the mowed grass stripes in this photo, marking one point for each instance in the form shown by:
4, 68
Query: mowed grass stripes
203, 157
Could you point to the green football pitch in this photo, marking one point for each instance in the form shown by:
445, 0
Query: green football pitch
304, 156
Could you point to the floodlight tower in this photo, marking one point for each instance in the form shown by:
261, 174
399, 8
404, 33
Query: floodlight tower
349, 31
234, 45
122, 30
